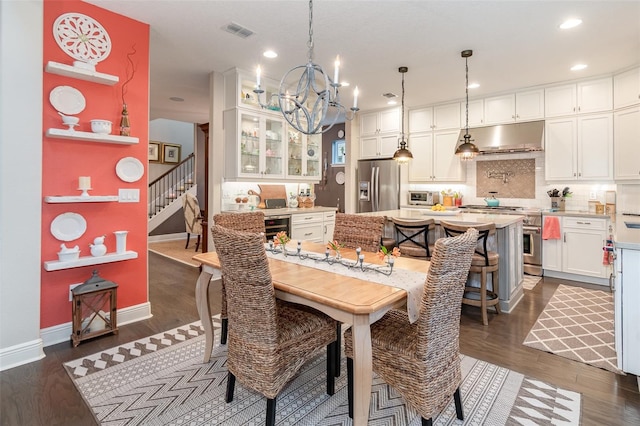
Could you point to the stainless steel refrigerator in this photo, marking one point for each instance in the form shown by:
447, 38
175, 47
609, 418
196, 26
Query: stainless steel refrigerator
378, 185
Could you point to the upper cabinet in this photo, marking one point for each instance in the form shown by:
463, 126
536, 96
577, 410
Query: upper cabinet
476, 113
379, 132
303, 155
438, 117
520, 106
239, 86
255, 145
626, 130
579, 148
583, 97
626, 88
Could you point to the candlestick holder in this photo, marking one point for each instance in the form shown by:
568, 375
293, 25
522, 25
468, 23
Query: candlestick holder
85, 192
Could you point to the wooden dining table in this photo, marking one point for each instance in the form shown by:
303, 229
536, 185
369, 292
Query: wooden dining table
354, 301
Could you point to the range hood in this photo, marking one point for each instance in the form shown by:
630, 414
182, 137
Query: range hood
505, 138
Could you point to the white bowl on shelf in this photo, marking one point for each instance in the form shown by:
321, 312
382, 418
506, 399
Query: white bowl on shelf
101, 126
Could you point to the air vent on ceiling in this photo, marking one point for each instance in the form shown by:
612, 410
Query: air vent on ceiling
389, 95
237, 29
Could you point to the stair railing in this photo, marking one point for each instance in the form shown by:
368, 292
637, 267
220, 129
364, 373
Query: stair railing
171, 185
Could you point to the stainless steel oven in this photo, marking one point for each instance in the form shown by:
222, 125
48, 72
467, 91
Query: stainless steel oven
532, 245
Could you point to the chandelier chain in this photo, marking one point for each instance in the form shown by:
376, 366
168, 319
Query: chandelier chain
310, 42
403, 106
466, 63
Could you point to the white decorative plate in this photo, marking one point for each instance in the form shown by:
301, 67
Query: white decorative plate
67, 100
340, 178
129, 169
68, 226
82, 37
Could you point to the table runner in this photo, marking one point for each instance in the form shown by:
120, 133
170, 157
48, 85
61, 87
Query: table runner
410, 281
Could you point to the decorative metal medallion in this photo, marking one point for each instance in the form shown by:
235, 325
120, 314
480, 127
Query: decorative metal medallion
82, 38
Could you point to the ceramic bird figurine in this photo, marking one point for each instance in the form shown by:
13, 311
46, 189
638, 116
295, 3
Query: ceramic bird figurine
98, 248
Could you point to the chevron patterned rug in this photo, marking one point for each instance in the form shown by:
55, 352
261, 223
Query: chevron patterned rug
577, 323
161, 380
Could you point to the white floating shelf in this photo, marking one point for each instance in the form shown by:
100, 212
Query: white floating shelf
57, 265
81, 74
90, 137
55, 199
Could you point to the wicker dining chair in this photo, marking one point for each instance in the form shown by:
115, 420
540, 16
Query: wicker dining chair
355, 231
484, 262
192, 217
269, 339
246, 222
421, 360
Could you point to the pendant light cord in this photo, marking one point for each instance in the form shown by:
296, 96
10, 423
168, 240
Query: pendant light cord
403, 107
310, 42
466, 63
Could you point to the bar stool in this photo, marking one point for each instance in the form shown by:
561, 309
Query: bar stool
484, 262
412, 236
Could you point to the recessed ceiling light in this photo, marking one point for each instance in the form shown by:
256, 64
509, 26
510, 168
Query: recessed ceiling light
344, 84
474, 85
578, 67
270, 54
176, 99
570, 23
392, 103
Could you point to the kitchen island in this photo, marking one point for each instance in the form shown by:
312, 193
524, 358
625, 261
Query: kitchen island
507, 242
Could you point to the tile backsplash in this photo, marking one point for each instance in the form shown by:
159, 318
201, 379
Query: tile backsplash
509, 178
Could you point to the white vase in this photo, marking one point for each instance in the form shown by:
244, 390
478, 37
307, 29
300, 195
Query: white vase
121, 241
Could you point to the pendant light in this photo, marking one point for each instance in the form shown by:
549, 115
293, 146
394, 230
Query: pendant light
402, 155
467, 150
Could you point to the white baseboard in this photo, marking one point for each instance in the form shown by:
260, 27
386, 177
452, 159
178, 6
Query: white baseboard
578, 278
23, 353
62, 332
167, 237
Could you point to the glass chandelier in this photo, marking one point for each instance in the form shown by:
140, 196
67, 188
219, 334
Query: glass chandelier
467, 150
308, 98
402, 155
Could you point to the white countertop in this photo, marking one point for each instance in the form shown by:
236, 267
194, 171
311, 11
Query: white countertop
288, 211
575, 213
626, 238
501, 220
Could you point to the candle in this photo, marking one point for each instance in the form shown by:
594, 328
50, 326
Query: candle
335, 73
358, 250
258, 76
391, 260
84, 182
361, 257
355, 97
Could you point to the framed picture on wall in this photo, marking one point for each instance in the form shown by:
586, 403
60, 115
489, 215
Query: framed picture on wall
170, 153
154, 152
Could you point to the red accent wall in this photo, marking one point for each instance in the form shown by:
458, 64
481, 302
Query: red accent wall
63, 161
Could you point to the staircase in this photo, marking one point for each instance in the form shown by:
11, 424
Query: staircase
166, 191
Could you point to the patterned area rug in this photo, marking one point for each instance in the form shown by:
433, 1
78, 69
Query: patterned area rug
174, 249
530, 281
577, 323
161, 380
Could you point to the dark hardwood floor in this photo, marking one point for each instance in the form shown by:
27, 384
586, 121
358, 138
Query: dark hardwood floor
41, 393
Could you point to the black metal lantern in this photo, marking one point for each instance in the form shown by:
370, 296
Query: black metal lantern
94, 309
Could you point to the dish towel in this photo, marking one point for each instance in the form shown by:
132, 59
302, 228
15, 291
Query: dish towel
551, 228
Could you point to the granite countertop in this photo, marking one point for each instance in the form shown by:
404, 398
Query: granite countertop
288, 211
574, 213
501, 220
626, 238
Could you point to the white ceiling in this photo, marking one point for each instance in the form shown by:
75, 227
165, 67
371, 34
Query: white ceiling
516, 44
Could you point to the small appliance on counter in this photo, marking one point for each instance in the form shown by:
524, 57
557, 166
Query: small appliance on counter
423, 198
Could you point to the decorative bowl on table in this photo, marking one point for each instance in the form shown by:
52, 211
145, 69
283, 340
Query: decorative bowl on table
101, 126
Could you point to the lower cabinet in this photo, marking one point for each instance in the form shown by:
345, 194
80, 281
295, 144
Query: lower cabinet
329, 222
627, 316
578, 251
316, 227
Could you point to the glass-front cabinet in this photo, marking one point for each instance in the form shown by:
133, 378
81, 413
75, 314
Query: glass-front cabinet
304, 156
257, 145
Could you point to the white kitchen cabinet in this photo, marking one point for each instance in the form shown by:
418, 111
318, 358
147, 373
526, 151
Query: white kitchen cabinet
626, 128
627, 317
307, 226
476, 113
239, 85
329, 222
579, 148
513, 107
584, 97
255, 146
303, 155
583, 240
379, 132
626, 88
438, 117
434, 158
578, 253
